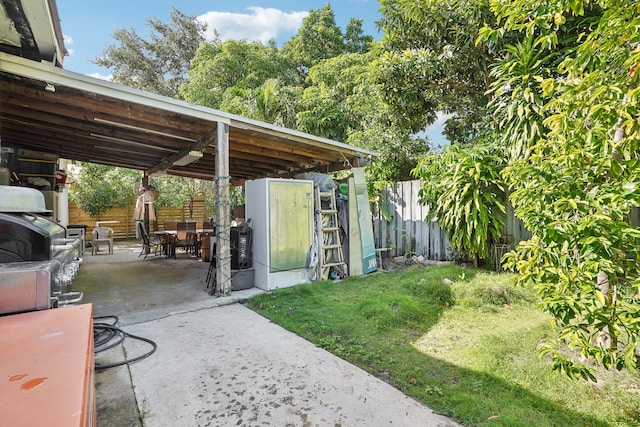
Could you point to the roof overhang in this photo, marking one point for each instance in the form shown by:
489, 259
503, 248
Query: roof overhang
31, 29
77, 117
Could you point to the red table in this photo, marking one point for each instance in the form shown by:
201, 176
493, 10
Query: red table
47, 368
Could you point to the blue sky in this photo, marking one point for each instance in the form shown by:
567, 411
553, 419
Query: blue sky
88, 25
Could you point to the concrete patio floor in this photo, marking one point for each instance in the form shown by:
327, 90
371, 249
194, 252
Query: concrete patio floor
217, 362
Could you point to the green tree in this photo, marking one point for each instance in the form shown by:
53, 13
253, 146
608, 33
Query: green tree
465, 193
319, 38
160, 63
326, 106
433, 64
404, 79
176, 191
226, 74
567, 100
355, 41
343, 102
275, 103
99, 188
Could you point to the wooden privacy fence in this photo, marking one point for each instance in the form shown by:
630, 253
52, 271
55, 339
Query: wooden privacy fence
399, 223
125, 228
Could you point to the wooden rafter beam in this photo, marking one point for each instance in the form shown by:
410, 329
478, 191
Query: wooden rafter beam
206, 140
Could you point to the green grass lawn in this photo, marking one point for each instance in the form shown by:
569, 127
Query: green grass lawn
466, 348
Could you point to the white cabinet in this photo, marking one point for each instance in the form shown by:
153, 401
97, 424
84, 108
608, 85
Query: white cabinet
281, 213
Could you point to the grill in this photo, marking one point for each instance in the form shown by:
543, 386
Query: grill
37, 261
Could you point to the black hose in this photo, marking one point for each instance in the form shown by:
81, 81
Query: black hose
103, 335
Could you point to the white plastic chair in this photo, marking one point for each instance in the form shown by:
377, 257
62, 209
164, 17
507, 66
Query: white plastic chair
101, 235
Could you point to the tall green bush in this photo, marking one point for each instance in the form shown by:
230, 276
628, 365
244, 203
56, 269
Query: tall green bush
465, 192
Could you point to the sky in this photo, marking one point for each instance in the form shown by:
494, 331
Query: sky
88, 26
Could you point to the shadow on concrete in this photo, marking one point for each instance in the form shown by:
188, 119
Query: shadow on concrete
137, 290
219, 363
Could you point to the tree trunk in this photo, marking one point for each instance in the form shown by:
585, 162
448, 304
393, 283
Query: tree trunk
606, 339
603, 283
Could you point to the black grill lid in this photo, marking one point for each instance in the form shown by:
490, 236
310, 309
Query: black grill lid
27, 237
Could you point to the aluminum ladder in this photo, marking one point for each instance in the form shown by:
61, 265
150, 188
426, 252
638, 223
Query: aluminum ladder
330, 254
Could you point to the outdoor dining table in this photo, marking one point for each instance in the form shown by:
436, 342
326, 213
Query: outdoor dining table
199, 232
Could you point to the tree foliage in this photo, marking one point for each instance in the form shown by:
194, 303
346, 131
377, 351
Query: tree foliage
275, 103
340, 99
343, 101
99, 188
355, 41
326, 107
96, 189
567, 100
433, 64
320, 38
177, 191
223, 71
405, 79
465, 193
158, 64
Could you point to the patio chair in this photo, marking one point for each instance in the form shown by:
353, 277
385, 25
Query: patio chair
148, 243
101, 235
186, 238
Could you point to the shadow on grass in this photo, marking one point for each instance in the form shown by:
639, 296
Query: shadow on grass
475, 398
372, 323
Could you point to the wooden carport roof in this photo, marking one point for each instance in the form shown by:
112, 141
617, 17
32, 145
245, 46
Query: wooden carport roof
45, 108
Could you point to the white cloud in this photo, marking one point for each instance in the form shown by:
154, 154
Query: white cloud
434, 131
108, 77
263, 24
68, 41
